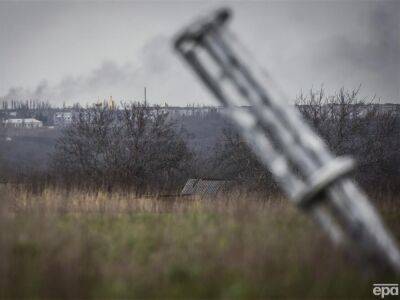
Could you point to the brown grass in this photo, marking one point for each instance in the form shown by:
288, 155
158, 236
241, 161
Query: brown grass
90, 245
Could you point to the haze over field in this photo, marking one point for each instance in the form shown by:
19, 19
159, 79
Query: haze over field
83, 50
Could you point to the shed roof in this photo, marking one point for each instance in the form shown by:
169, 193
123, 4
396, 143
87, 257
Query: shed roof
205, 187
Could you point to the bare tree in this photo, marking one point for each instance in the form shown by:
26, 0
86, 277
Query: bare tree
234, 160
359, 127
351, 125
136, 147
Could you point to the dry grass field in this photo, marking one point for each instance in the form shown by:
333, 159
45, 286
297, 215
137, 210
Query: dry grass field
99, 245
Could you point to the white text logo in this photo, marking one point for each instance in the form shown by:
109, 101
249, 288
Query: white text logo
385, 289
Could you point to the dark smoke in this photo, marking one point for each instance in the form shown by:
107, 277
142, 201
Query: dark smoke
126, 81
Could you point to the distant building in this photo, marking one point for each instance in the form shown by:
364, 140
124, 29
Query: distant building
189, 111
23, 123
63, 118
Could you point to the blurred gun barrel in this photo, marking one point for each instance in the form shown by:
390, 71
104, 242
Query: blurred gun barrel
309, 174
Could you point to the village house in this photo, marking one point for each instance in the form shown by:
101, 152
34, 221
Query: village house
23, 123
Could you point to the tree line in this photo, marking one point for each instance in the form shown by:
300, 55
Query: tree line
349, 124
142, 148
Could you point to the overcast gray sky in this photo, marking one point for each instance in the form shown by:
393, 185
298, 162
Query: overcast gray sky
79, 51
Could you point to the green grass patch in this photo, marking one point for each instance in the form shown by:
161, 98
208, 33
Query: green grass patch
194, 249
